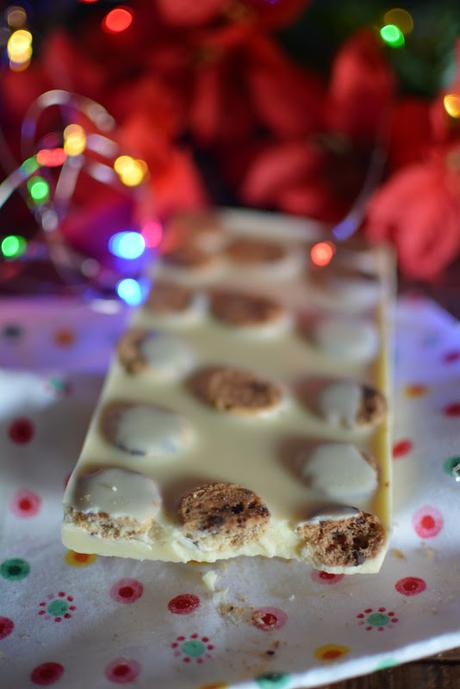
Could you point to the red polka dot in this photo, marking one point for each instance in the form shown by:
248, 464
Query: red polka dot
410, 586
47, 673
127, 591
451, 357
6, 627
268, 619
184, 604
122, 670
21, 431
427, 522
402, 447
25, 504
64, 337
452, 409
326, 577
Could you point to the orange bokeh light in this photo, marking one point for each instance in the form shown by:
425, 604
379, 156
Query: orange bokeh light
321, 254
117, 20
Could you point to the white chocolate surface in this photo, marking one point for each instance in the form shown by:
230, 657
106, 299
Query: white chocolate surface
339, 402
251, 451
167, 355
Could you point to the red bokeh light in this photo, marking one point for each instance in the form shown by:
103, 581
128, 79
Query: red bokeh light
321, 254
117, 20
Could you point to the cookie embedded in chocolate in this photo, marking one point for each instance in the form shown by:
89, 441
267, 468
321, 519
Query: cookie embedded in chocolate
222, 514
340, 471
145, 430
162, 354
235, 390
345, 537
373, 407
349, 339
202, 228
169, 298
189, 256
255, 251
113, 503
239, 309
349, 404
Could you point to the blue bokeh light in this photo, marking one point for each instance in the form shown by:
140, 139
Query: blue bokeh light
131, 291
127, 244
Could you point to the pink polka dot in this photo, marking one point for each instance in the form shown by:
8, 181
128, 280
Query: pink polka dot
452, 409
184, 604
427, 522
47, 673
451, 357
6, 627
25, 504
127, 591
402, 447
122, 670
21, 431
268, 619
325, 577
410, 586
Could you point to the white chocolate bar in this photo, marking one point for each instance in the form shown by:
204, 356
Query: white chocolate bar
246, 413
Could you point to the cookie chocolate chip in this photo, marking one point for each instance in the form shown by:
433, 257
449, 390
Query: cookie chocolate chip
222, 514
235, 390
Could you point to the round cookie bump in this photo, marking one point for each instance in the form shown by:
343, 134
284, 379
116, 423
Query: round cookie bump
340, 471
347, 283
190, 257
350, 404
145, 430
161, 354
169, 298
202, 228
350, 339
265, 257
113, 503
235, 390
218, 515
341, 536
244, 310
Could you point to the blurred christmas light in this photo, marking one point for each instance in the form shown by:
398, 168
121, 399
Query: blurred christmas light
51, 157
130, 171
401, 18
74, 140
13, 246
130, 291
321, 254
127, 244
152, 231
392, 35
19, 47
117, 20
19, 66
39, 189
29, 166
16, 16
451, 104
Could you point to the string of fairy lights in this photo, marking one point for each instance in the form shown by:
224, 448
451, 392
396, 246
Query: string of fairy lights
84, 144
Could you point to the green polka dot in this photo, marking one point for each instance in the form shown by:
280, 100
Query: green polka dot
193, 648
272, 680
386, 663
57, 607
450, 463
14, 569
377, 619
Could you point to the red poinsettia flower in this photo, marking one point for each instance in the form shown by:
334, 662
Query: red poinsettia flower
417, 210
265, 13
410, 132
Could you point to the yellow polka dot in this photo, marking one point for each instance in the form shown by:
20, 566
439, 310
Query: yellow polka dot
330, 652
415, 390
79, 559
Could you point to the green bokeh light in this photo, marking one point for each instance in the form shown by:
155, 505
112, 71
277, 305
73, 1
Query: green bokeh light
392, 35
13, 246
38, 189
29, 166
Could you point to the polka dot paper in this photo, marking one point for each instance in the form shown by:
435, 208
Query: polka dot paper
70, 620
